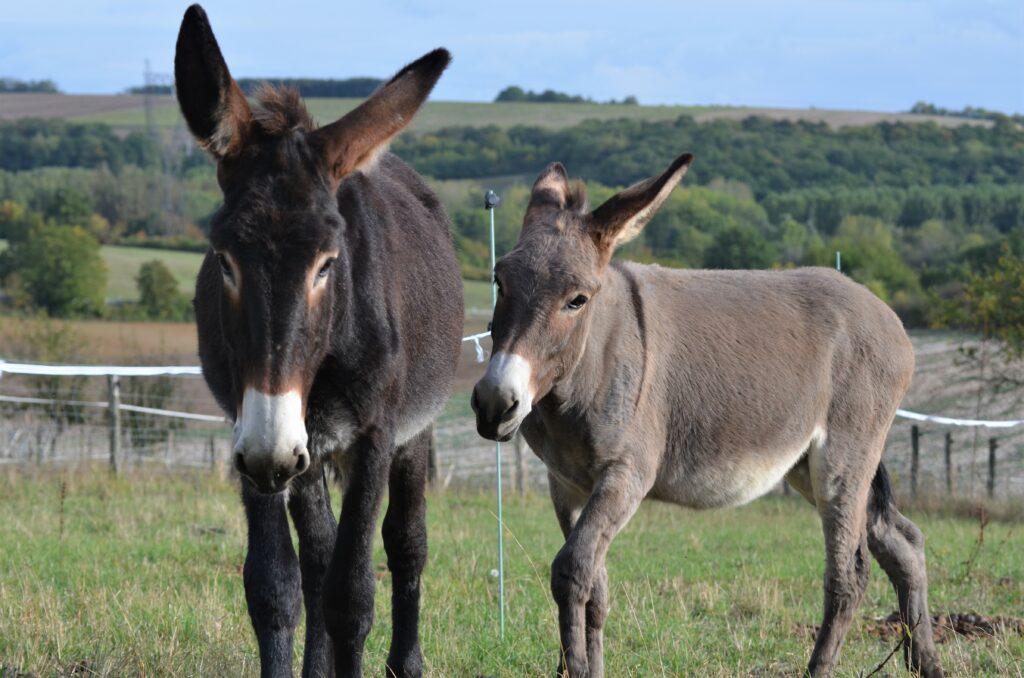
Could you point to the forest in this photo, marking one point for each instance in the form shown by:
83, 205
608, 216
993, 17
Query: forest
914, 209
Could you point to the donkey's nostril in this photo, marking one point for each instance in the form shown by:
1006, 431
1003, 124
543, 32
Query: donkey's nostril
303, 462
510, 410
240, 463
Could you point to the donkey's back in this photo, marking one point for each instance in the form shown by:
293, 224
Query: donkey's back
758, 367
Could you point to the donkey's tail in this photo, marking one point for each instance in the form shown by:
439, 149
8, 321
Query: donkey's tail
882, 497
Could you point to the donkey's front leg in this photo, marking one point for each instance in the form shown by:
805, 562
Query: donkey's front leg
349, 585
310, 505
615, 498
271, 577
405, 541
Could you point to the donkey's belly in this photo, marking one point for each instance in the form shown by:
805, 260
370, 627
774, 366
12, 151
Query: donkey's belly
730, 478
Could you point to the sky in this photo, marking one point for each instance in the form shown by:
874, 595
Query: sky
880, 55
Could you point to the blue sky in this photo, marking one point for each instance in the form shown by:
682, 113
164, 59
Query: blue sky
866, 54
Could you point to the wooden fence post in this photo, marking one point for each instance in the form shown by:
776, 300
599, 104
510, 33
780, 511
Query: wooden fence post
114, 398
949, 462
915, 456
992, 445
520, 464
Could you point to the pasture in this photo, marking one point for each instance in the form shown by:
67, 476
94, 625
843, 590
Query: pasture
127, 112
123, 265
141, 575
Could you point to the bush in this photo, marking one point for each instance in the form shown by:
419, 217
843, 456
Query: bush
57, 269
159, 296
740, 247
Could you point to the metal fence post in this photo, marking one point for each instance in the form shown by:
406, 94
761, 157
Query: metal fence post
114, 398
915, 457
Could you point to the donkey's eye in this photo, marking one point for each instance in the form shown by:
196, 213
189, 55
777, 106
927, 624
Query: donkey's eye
225, 267
324, 270
576, 303
497, 283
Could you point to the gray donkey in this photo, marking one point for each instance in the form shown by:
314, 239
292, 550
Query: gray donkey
702, 388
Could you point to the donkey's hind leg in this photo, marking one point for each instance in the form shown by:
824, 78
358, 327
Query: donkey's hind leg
405, 541
309, 503
272, 580
898, 545
840, 493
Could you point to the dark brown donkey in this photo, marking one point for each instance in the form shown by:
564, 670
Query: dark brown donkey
703, 388
330, 312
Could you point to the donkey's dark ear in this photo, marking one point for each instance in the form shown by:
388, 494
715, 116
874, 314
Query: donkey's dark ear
355, 141
551, 187
211, 101
621, 217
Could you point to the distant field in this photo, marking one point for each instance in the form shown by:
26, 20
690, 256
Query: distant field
142, 576
123, 265
126, 112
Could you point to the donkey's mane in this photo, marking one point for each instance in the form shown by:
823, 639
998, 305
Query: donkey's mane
280, 110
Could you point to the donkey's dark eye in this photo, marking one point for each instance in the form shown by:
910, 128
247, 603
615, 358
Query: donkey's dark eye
225, 267
576, 303
497, 283
324, 270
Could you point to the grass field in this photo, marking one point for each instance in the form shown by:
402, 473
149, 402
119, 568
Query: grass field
438, 114
142, 576
127, 112
123, 265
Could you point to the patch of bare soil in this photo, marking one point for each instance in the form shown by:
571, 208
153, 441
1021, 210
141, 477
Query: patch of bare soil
968, 625
944, 626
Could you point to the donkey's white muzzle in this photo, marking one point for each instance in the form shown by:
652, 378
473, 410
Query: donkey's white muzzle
503, 397
270, 439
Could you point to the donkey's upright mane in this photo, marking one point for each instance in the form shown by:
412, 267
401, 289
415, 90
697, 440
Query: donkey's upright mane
280, 110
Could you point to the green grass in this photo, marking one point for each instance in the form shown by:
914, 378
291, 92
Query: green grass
123, 265
439, 114
141, 576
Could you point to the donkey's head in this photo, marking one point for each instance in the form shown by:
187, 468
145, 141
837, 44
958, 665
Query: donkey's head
546, 285
281, 274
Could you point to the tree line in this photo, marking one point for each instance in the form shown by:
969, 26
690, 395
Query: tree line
915, 209
769, 156
550, 96
14, 85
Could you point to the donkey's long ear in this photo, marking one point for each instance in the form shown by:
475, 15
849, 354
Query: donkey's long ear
211, 101
354, 141
622, 216
551, 187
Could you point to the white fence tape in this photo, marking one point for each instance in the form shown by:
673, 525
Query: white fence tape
99, 370
949, 421
193, 370
155, 411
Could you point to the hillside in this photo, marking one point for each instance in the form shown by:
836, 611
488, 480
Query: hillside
126, 112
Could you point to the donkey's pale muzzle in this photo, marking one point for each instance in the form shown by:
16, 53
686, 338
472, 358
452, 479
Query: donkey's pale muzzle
270, 439
503, 397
